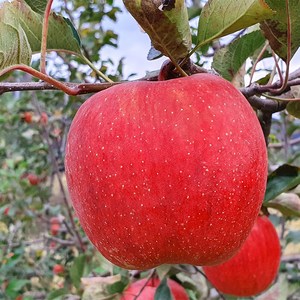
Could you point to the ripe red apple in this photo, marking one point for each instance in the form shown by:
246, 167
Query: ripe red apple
33, 179
149, 288
167, 172
254, 267
27, 117
55, 225
58, 269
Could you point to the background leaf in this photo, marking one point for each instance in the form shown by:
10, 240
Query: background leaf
275, 28
281, 180
293, 107
163, 291
167, 26
77, 269
293, 236
287, 203
14, 286
221, 17
228, 60
38, 6
57, 293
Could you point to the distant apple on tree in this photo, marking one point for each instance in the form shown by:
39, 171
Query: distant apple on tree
58, 269
33, 179
145, 289
27, 117
55, 225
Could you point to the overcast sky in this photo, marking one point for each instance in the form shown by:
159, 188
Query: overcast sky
134, 44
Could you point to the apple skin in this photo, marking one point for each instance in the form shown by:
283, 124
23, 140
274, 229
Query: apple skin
58, 269
148, 292
55, 225
27, 116
33, 179
253, 269
167, 172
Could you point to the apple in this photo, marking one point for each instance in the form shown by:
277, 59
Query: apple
167, 172
27, 117
33, 179
253, 269
6, 211
58, 269
55, 225
149, 288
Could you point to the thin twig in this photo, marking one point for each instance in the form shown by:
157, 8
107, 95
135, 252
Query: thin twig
82, 88
289, 49
204, 275
260, 55
277, 67
152, 274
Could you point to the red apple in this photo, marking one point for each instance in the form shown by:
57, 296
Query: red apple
58, 269
27, 117
55, 225
149, 289
6, 211
254, 267
167, 172
33, 179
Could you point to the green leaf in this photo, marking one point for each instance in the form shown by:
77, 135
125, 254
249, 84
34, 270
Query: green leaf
293, 107
57, 293
194, 11
275, 27
77, 269
14, 46
163, 270
222, 17
163, 291
281, 180
166, 24
15, 285
287, 203
119, 286
293, 236
21, 33
228, 60
38, 6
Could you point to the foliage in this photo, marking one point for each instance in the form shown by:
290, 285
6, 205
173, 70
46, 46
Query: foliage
239, 45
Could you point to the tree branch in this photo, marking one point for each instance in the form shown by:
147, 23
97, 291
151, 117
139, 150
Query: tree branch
251, 92
83, 88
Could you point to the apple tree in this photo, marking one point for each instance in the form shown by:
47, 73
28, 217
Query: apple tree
182, 184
